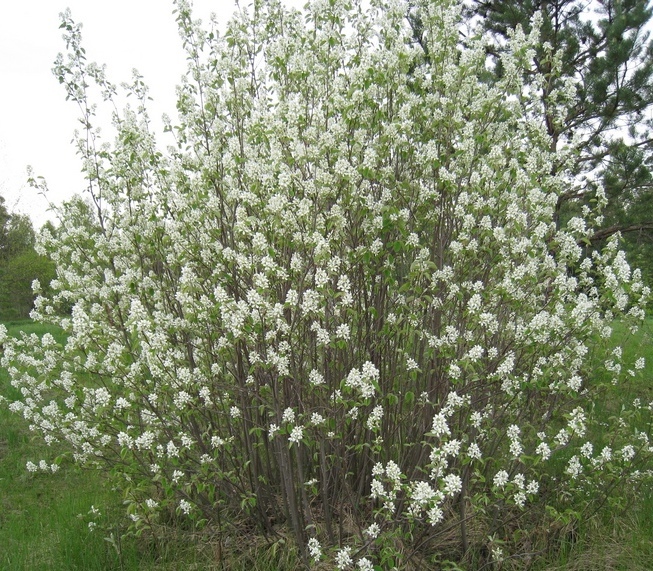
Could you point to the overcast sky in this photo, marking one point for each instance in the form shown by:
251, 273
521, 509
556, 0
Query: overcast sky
36, 123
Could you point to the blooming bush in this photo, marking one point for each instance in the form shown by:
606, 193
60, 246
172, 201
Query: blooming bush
339, 303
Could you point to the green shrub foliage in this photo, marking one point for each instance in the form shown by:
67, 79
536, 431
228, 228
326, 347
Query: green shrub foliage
338, 303
17, 277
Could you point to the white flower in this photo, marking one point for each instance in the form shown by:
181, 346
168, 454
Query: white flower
317, 419
543, 450
321, 278
364, 379
315, 378
474, 451
513, 431
343, 558
516, 448
314, 548
606, 454
376, 489
296, 434
475, 353
422, 492
373, 531
173, 451
288, 415
533, 487
474, 303
364, 564
185, 506
575, 383
577, 421
476, 419
121, 403
497, 554
454, 371
501, 478
392, 471
574, 467
562, 437
627, 452
322, 334
451, 448
452, 484
124, 440
435, 515
292, 298
145, 440
440, 425
374, 419
343, 332
181, 399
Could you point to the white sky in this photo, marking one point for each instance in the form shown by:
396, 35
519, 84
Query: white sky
36, 123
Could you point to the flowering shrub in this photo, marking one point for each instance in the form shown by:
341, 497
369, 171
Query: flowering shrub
340, 302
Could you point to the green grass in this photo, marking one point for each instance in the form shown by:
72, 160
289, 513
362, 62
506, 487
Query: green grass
39, 527
620, 537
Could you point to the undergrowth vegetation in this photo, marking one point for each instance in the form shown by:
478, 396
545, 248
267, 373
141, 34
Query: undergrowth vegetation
338, 315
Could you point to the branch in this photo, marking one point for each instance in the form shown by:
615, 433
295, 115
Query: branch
610, 230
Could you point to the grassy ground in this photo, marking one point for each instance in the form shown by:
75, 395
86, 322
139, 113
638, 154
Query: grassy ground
40, 530
621, 537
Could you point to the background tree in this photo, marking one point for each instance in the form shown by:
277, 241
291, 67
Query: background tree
16, 278
602, 49
16, 233
20, 264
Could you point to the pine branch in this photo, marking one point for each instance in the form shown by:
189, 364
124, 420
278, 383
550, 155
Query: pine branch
604, 233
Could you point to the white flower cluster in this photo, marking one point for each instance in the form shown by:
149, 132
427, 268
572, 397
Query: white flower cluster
43, 466
363, 379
